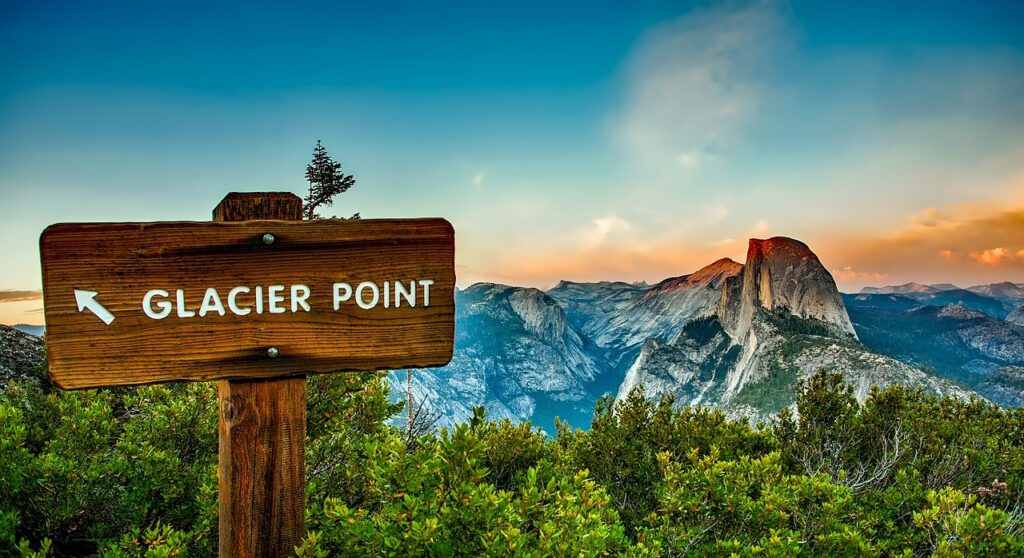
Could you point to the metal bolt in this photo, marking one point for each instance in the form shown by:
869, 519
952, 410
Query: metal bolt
273, 352
268, 239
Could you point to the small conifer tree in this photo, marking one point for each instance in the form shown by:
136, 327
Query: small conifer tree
325, 181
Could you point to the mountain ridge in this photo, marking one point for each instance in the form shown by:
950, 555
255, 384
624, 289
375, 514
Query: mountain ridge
731, 335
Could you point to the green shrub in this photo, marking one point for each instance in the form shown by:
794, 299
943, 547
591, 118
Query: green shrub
133, 472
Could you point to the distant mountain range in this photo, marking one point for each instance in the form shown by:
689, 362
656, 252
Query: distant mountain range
730, 335
997, 299
38, 331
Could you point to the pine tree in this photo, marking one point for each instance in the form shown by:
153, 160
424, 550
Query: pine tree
325, 181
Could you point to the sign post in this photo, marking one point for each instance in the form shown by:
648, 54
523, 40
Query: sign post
261, 434
256, 299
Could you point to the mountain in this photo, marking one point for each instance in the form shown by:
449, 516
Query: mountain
36, 330
906, 288
619, 317
782, 274
737, 336
517, 355
1010, 293
956, 342
1017, 316
531, 355
21, 356
992, 299
777, 322
996, 299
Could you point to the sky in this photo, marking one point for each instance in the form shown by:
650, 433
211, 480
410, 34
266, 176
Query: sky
564, 140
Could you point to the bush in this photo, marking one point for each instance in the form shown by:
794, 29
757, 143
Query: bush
133, 473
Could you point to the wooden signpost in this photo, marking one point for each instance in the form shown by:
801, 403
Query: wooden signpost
257, 299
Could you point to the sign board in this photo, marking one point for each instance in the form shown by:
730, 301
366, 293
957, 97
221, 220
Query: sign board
139, 303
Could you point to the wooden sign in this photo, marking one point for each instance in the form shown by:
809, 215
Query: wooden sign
138, 303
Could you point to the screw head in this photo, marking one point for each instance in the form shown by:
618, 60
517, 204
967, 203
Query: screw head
273, 352
268, 239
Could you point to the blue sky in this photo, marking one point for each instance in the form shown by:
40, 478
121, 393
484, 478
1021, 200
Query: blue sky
597, 140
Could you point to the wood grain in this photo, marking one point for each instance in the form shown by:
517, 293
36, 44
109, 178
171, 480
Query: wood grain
261, 436
122, 261
262, 484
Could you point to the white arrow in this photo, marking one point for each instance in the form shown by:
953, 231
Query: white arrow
87, 301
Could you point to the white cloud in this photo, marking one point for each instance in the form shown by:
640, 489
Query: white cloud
850, 275
603, 227
478, 179
695, 81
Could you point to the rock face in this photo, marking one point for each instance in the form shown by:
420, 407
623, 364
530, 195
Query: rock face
782, 274
776, 323
22, 356
618, 316
516, 355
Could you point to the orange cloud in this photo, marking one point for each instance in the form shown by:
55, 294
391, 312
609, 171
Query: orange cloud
948, 245
992, 256
19, 296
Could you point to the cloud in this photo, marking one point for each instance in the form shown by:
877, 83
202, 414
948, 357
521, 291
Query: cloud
931, 218
952, 245
694, 82
603, 227
19, 296
478, 179
992, 256
849, 275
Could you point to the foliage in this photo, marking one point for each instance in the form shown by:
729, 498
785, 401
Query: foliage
325, 182
132, 472
622, 447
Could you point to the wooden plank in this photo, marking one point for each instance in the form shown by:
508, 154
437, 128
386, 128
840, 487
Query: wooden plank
261, 436
122, 262
262, 483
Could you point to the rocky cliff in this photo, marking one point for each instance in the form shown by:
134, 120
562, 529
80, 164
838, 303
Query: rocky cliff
782, 275
777, 322
516, 354
22, 356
